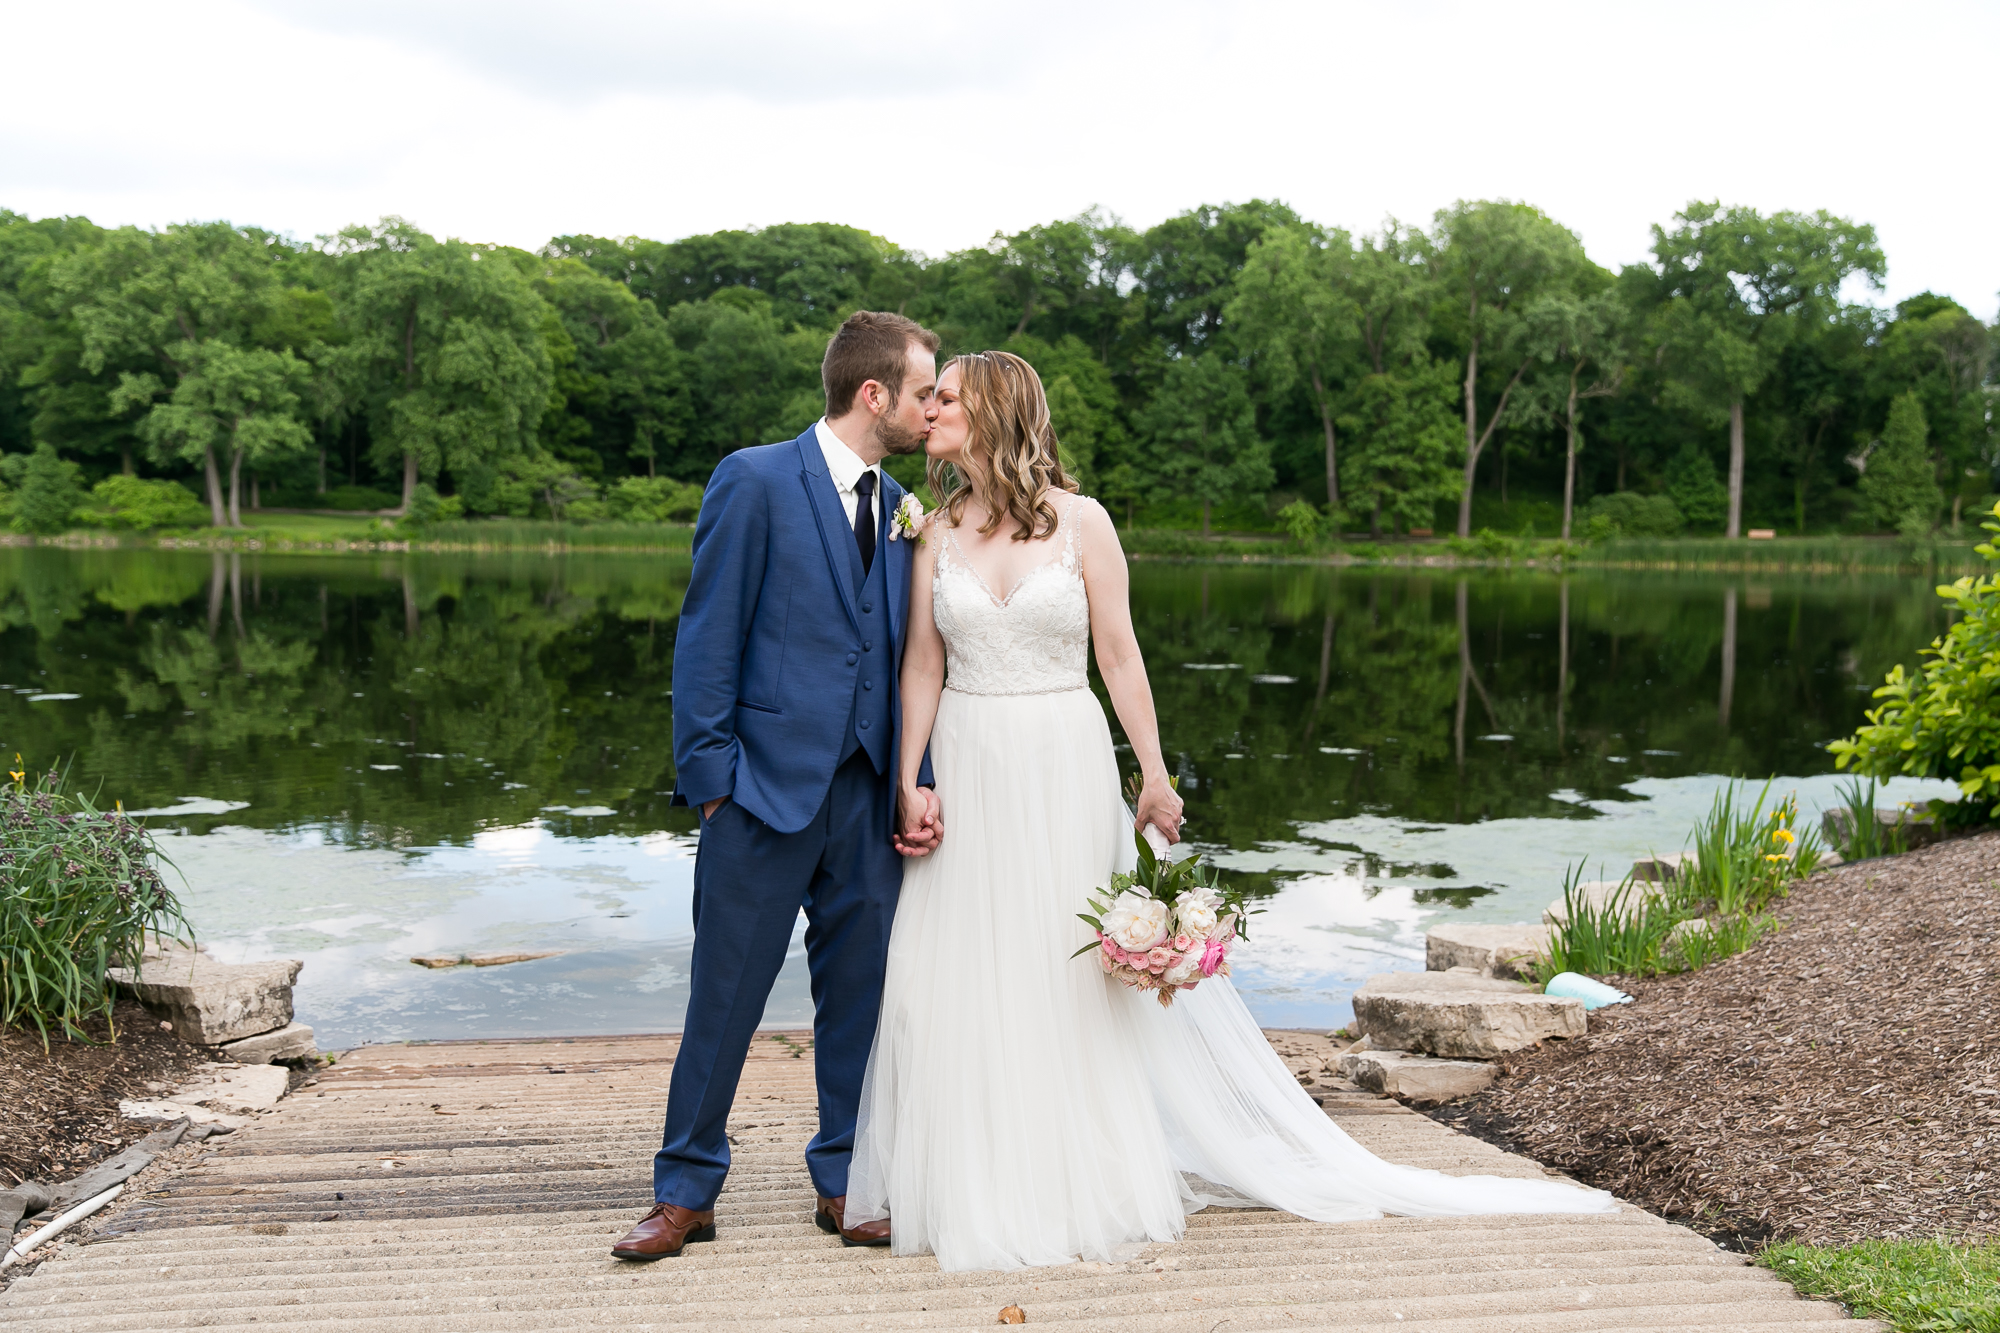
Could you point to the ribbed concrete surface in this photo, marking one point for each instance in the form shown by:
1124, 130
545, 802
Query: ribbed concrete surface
478, 1186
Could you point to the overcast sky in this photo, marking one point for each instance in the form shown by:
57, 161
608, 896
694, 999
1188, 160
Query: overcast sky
937, 125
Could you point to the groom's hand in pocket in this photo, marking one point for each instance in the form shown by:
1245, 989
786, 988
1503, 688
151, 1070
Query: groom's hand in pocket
919, 822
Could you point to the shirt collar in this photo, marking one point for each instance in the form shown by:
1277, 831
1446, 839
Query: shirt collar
842, 463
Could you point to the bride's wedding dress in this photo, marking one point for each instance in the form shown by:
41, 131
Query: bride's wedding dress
1022, 1108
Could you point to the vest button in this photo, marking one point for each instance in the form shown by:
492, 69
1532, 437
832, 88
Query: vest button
867, 684
864, 724
852, 658
867, 646
867, 607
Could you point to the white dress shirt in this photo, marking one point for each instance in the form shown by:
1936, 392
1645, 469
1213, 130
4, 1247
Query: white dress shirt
845, 467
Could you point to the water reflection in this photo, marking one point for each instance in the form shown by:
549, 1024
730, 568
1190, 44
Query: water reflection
374, 756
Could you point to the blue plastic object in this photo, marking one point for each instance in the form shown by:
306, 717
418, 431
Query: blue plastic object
1576, 986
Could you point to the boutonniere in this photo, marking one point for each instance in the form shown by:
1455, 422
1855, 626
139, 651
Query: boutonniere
908, 520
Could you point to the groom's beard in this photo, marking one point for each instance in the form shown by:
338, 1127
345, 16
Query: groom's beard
896, 438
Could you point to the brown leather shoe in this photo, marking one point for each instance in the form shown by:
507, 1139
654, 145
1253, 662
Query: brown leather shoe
828, 1216
662, 1232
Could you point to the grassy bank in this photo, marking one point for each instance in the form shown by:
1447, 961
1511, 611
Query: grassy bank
1916, 1285
1942, 556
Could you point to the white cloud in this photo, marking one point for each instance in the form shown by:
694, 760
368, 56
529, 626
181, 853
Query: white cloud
937, 125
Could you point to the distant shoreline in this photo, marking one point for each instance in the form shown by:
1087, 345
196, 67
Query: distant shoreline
1784, 555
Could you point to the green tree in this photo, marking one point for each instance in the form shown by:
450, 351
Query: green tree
1899, 481
1697, 492
1494, 260
751, 382
1581, 334
43, 392
48, 492
1293, 313
1935, 348
620, 396
244, 401
1187, 266
1729, 289
1402, 443
196, 316
447, 349
1201, 435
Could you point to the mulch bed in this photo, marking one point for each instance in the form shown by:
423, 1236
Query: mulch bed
1838, 1081
59, 1107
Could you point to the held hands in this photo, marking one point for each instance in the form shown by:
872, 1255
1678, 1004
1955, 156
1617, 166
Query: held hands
919, 821
1160, 805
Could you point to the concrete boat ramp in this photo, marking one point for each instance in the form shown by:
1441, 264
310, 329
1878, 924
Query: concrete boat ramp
478, 1186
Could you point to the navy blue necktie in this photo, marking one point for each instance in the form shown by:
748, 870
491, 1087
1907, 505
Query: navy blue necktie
864, 519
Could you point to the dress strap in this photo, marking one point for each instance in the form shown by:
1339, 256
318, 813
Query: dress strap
1072, 552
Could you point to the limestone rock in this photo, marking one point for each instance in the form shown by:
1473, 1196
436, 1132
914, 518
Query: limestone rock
1660, 869
1601, 894
294, 1041
1495, 951
209, 1002
1460, 1014
239, 1089
1416, 1078
166, 1113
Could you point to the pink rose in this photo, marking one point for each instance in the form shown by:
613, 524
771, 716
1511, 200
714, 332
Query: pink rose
1106, 960
1213, 954
1183, 942
1159, 960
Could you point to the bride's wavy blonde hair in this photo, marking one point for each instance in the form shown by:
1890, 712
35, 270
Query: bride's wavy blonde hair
1013, 441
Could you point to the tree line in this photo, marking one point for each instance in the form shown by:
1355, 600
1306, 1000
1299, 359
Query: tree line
1235, 361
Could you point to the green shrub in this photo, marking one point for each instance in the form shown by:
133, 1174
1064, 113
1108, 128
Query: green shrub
1303, 521
1943, 720
427, 507
141, 503
79, 890
48, 491
652, 500
1630, 514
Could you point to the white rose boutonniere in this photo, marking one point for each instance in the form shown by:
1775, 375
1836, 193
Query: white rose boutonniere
908, 520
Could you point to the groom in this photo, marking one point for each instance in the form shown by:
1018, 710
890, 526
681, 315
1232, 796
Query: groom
785, 719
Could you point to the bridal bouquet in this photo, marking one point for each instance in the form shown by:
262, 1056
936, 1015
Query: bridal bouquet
1167, 926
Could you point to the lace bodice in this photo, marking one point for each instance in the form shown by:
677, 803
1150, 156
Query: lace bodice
1034, 641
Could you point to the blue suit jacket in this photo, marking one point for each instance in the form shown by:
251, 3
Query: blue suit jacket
763, 667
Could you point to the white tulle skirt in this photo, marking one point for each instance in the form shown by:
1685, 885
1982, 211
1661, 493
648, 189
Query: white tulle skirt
1021, 1108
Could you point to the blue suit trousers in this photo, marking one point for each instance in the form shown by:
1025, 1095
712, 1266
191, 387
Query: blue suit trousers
749, 883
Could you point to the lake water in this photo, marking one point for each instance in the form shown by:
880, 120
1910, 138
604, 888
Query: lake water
356, 759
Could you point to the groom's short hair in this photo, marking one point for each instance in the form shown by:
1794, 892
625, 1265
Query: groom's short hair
871, 345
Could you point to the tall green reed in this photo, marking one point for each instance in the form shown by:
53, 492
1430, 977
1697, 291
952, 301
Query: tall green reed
80, 888
1624, 935
1746, 855
1863, 835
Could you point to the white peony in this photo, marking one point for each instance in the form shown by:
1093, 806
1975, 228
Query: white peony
1181, 973
1136, 923
1196, 912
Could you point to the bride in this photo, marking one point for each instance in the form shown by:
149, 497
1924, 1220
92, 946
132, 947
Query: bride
1021, 1108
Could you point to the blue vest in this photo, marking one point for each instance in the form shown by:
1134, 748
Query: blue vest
870, 726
